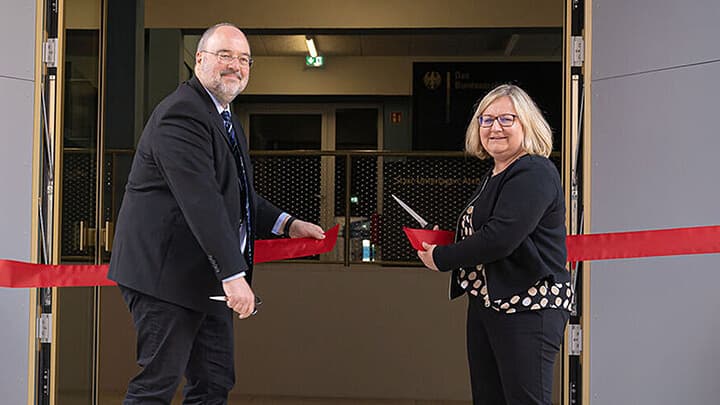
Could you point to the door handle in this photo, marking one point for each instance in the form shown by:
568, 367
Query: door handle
83, 236
87, 236
108, 234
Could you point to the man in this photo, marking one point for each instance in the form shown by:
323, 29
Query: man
186, 229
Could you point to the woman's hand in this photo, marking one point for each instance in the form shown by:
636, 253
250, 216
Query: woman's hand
427, 256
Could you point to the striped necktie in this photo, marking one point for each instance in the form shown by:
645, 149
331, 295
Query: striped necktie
243, 180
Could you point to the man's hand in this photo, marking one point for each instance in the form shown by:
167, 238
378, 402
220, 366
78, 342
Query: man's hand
427, 256
240, 297
302, 229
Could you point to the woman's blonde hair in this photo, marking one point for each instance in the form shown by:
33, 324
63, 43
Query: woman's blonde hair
538, 136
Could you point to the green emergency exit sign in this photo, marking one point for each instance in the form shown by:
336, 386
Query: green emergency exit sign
314, 61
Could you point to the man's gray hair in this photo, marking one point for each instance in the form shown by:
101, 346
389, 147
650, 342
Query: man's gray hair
208, 33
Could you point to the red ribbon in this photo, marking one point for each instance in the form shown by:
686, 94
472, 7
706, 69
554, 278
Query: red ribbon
28, 275
602, 246
418, 236
618, 245
279, 249
661, 242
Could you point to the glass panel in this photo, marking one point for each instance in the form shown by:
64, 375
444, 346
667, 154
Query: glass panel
285, 131
75, 367
80, 145
292, 183
435, 187
122, 124
356, 128
362, 202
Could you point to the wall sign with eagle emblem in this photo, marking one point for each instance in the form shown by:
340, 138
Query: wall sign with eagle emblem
432, 80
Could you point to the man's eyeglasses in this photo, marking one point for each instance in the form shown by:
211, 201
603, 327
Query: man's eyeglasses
505, 120
228, 58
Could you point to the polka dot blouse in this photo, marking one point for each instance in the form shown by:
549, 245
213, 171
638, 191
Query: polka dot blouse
543, 294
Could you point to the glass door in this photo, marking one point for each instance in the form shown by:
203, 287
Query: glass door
122, 124
285, 142
99, 108
314, 160
358, 129
75, 344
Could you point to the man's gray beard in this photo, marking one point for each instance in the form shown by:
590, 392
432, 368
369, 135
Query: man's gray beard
222, 92
216, 86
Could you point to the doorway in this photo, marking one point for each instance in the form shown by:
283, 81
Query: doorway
95, 340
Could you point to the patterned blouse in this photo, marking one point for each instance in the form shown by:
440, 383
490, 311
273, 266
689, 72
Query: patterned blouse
543, 294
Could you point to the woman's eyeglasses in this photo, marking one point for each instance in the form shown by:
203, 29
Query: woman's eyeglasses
505, 120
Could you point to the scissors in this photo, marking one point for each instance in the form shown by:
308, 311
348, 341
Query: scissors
423, 223
258, 301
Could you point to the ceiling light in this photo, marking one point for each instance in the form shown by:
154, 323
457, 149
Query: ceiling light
311, 46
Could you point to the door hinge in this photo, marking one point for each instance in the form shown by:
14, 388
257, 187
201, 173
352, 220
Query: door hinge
44, 328
50, 52
575, 336
578, 51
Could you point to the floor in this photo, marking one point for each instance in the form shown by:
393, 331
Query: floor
117, 399
338, 401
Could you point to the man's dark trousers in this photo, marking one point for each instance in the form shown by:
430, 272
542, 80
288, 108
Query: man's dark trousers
200, 349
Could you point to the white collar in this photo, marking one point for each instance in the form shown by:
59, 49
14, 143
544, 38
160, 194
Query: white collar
219, 106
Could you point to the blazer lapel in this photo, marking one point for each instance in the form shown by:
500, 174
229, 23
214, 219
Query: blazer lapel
215, 118
243, 146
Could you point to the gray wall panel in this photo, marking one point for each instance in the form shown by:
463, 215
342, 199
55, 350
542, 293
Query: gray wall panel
654, 151
17, 33
642, 35
17, 39
14, 310
16, 114
653, 329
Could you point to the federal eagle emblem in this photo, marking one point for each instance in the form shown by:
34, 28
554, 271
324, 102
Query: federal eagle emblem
432, 80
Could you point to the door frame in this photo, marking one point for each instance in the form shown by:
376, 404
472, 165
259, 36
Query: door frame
327, 111
55, 125
577, 168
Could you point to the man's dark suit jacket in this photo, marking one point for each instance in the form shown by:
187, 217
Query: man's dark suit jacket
177, 234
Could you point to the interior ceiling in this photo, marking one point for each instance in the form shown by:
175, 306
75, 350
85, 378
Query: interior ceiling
507, 42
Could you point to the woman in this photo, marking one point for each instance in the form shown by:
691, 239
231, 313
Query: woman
509, 255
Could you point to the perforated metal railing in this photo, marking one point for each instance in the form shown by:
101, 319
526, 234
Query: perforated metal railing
328, 188
354, 189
